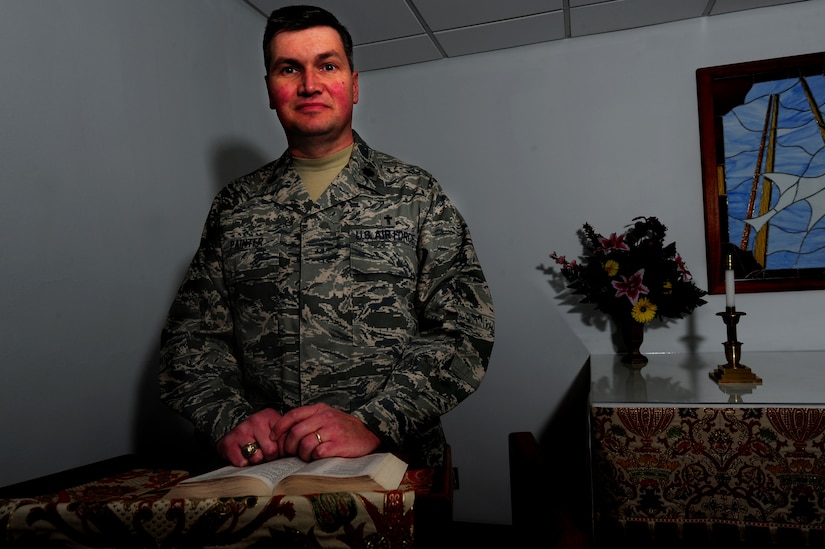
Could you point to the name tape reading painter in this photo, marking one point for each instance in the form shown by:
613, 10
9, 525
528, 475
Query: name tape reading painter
246, 244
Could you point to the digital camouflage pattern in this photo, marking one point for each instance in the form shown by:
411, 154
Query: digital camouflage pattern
371, 300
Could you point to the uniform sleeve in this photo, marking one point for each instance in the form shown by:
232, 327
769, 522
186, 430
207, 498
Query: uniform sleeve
199, 373
447, 359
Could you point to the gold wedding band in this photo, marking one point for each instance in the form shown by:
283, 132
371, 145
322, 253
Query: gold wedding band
318, 436
248, 450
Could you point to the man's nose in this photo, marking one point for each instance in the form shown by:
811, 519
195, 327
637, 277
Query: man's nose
309, 83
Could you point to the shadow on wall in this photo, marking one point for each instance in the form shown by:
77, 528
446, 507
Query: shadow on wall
159, 434
565, 443
235, 158
590, 316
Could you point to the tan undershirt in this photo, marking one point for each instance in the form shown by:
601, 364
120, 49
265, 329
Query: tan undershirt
317, 173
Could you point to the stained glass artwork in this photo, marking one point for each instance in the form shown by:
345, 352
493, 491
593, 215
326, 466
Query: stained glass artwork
774, 169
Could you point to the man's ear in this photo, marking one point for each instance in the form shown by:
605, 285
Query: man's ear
268, 93
354, 87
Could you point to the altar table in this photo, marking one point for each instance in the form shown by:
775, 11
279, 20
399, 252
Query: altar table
676, 456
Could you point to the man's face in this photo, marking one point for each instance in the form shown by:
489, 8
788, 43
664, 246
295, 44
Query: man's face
311, 86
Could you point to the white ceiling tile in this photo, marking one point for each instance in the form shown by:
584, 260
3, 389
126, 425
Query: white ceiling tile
442, 15
366, 20
728, 6
579, 3
393, 53
388, 33
505, 34
628, 14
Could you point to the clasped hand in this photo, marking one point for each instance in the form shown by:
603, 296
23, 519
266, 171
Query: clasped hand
309, 432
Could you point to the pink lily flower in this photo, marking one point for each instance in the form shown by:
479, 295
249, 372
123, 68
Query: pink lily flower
613, 242
682, 268
631, 287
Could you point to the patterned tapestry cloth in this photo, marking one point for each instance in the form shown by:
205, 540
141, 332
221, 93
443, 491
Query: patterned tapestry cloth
128, 510
710, 474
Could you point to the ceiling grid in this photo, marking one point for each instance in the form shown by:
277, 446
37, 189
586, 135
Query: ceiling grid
388, 33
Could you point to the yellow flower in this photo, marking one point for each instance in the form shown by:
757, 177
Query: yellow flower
667, 287
643, 311
611, 267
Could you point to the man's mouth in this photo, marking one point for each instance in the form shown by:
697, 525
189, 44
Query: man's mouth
311, 106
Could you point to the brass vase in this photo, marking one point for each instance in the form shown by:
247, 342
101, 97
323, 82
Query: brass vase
633, 335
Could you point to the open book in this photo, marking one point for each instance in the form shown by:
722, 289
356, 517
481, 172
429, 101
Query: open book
292, 476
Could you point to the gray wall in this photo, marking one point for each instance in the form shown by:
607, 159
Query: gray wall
121, 120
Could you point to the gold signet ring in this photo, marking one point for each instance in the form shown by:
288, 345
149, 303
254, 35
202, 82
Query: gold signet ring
248, 450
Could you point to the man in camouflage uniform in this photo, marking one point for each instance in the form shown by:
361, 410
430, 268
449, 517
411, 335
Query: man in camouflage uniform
331, 322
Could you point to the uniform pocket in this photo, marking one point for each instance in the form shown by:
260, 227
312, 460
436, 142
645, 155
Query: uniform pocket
384, 277
254, 270
253, 258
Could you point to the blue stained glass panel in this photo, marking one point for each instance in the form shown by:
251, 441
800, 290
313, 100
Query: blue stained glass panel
794, 219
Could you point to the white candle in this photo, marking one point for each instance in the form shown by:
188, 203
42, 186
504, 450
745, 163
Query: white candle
730, 286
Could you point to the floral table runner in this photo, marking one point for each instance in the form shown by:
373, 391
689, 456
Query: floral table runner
713, 473
128, 510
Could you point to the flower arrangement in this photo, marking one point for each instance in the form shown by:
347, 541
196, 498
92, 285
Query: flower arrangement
632, 275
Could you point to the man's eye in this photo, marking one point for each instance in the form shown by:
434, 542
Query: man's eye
328, 67
288, 70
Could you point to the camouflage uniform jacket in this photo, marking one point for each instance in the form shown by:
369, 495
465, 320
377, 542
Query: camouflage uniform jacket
371, 300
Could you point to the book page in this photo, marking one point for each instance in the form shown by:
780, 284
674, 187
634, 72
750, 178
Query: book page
342, 467
273, 472
270, 472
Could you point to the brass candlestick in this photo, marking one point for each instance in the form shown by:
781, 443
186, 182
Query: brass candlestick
734, 371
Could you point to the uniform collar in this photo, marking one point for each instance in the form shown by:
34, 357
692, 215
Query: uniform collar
360, 175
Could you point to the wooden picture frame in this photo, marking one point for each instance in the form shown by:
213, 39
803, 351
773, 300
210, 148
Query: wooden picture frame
763, 172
